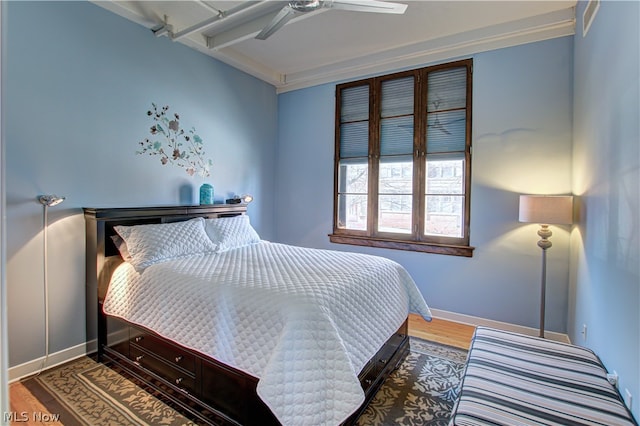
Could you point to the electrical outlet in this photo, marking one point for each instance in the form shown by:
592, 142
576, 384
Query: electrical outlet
613, 378
584, 332
628, 398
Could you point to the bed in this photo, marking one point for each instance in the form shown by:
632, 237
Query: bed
238, 330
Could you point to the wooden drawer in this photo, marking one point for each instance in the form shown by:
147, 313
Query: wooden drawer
386, 355
234, 393
172, 375
369, 374
172, 355
389, 350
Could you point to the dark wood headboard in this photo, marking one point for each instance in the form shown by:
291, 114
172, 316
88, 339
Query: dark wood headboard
102, 256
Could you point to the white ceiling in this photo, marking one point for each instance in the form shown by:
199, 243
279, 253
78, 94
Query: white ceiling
330, 44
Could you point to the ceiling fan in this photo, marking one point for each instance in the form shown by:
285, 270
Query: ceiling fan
304, 6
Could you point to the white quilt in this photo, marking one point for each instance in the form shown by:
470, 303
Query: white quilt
304, 321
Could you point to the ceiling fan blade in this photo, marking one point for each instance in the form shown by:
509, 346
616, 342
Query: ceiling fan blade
284, 16
366, 6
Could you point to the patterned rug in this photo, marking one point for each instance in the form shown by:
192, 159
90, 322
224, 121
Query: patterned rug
420, 392
84, 392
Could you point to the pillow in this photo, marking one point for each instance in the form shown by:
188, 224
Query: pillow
150, 244
231, 232
121, 246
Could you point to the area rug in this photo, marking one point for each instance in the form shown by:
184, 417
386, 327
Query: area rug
84, 392
420, 392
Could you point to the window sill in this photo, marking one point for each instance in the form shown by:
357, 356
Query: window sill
451, 250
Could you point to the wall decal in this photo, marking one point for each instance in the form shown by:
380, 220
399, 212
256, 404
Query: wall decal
175, 145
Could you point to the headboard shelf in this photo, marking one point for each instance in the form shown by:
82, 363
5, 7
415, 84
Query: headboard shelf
105, 213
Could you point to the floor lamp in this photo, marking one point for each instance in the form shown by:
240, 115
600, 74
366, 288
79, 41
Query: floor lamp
46, 201
545, 210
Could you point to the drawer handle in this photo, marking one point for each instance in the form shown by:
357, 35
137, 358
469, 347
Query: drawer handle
368, 382
139, 358
178, 358
139, 339
384, 361
179, 380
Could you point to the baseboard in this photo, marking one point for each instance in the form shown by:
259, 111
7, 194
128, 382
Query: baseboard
476, 321
32, 367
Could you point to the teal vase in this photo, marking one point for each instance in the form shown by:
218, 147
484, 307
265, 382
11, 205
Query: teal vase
206, 194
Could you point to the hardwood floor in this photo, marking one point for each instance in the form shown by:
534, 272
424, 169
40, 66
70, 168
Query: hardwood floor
23, 403
441, 331
26, 409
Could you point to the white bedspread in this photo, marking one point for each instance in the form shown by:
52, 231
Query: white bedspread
304, 321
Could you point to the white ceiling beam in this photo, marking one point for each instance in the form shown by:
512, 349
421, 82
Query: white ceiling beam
206, 5
240, 33
250, 29
244, 11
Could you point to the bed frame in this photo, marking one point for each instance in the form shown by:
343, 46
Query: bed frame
210, 391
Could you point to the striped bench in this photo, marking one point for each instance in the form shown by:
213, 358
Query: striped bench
512, 379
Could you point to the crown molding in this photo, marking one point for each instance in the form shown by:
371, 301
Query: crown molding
529, 30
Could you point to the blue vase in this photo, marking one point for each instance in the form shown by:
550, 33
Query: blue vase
206, 194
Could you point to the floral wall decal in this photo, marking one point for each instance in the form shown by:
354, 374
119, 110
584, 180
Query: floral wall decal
175, 145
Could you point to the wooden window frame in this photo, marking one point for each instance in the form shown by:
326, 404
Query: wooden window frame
416, 240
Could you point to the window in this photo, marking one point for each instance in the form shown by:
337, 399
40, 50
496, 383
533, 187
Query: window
403, 160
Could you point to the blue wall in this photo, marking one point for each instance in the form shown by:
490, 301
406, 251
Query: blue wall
522, 117
605, 246
78, 83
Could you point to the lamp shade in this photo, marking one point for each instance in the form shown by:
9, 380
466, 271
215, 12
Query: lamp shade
546, 209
